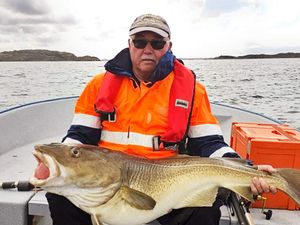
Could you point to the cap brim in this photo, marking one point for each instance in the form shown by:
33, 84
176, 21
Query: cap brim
153, 29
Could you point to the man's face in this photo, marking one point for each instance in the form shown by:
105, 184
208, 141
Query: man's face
145, 58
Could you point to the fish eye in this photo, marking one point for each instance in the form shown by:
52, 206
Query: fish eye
75, 152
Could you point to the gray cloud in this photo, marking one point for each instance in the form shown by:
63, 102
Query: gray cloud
29, 7
217, 7
31, 12
67, 20
30, 20
23, 37
31, 29
7, 29
9, 18
46, 41
27, 23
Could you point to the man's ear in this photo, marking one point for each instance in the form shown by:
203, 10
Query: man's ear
170, 45
128, 42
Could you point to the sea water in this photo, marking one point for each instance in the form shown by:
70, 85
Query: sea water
267, 86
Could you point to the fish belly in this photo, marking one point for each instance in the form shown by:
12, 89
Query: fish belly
197, 193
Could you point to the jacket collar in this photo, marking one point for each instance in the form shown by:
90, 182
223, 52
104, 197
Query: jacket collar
121, 65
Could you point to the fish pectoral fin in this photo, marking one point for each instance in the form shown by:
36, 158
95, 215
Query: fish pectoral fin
242, 191
199, 198
136, 198
95, 220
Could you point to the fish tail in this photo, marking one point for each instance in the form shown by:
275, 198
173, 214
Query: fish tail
292, 177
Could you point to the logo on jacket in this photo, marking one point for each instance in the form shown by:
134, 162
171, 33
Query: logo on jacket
182, 103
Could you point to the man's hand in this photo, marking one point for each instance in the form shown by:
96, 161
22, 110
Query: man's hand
259, 185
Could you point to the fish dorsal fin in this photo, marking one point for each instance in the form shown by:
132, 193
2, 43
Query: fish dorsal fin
200, 198
136, 199
237, 161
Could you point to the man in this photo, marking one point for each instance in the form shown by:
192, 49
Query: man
148, 104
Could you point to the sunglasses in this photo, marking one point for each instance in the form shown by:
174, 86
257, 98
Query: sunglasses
155, 44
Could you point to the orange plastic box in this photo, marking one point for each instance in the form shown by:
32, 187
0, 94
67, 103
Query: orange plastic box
278, 145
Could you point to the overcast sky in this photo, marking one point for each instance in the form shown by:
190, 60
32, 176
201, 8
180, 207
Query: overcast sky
200, 28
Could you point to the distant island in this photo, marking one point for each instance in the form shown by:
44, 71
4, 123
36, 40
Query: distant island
43, 55
48, 55
261, 56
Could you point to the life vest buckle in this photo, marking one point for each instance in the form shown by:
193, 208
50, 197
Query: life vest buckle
157, 144
173, 147
110, 117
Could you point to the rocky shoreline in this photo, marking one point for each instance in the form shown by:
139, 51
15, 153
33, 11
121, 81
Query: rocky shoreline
43, 55
261, 56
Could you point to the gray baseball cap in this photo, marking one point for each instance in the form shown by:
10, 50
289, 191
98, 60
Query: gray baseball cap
150, 22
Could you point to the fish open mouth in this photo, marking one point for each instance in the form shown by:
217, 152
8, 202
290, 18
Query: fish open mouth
42, 171
45, 170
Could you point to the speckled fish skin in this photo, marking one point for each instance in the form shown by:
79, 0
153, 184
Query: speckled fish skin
119, 189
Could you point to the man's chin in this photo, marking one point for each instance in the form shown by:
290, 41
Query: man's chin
148, 66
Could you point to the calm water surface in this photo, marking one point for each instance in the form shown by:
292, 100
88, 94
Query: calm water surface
267, 86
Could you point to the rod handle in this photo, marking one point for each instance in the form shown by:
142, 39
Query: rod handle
20, 185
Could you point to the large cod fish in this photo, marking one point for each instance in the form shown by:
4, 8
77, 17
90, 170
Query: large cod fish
118, 189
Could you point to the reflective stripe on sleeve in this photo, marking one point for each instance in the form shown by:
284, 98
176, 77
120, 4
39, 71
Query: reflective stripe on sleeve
71, 141
204, 130
220, 152
125, 138
86, 120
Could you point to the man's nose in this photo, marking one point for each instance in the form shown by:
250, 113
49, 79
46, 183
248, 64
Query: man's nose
148, 48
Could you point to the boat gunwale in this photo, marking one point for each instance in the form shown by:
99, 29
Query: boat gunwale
74, 97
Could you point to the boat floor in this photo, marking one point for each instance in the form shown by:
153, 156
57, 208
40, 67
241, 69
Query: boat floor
279, 217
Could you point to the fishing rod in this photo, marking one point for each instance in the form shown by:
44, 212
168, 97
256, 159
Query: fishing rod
19, 185
241, 208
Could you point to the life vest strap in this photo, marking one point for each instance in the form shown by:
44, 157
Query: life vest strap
105, 99
180, 104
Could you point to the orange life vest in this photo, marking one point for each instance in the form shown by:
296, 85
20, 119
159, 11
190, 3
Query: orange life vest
180, 104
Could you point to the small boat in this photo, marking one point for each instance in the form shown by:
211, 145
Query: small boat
47, 121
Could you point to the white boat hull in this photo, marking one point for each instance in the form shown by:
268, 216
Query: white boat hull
47, 121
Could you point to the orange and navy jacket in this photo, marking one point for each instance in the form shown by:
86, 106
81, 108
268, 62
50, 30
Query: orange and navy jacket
141, 113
